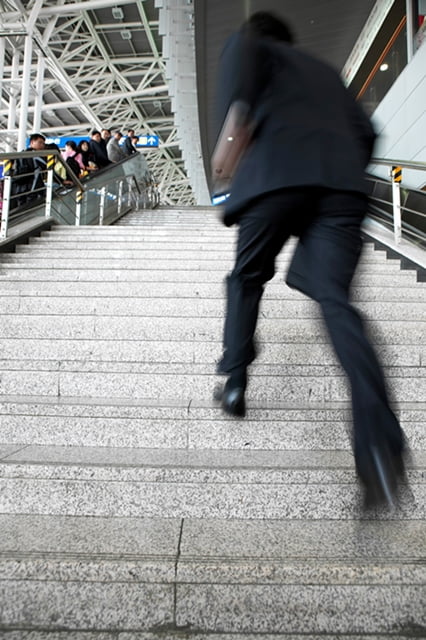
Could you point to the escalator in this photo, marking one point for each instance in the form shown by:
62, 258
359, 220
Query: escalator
101, 198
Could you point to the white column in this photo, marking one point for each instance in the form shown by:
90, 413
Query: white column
2, 52
38, 104
11, 121
411, 29
25, 92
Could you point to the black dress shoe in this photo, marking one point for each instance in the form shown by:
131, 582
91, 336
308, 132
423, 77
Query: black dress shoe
231, 399
233, 402
379, 475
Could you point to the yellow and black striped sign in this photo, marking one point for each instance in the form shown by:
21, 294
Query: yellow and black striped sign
51, 162
79, 196
397, 174
7, 167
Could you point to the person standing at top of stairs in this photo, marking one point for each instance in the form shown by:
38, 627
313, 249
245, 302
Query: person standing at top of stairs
302, 174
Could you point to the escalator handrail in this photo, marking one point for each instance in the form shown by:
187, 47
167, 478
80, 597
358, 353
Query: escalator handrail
406, 164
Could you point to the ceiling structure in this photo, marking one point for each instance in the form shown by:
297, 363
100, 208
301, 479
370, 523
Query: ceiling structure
149, 65
97, 63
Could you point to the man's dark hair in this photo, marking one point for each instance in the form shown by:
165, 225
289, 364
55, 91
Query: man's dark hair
94, 132
36, 136
265, 24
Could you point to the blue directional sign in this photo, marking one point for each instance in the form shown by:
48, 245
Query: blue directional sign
148, 141
143, 141
61, 140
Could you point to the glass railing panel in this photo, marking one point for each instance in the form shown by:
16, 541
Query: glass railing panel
99, 199
114, 189
412, 208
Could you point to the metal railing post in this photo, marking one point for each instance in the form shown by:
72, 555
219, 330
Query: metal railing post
102, 206
49, 184
78, 200
120, 196
396, 203
7, 192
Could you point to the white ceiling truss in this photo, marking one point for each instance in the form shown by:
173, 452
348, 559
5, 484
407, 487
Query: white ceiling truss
69, 67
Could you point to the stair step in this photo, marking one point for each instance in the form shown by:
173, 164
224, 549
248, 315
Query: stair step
90, 481
164, 239
154, 274
101, 422
275, 290
231, 579
189, 352
292, 383
131, 507
151, 259
138, 328
190, 307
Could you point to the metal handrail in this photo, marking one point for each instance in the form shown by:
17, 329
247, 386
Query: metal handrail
413, 228
399, 163
52, 157
15, 155
130, 192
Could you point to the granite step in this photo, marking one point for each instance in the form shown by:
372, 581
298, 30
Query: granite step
175, 241
150, 423
268, 383
188, 352
229, 579
146, 259
284, 331
148, 250
221, 261
276, 290
190, 307
125, 272
131, 507
170, 483
222, 239
163, 237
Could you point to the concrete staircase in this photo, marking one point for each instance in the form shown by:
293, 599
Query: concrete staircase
132, 508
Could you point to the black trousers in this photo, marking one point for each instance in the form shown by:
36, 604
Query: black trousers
328, 226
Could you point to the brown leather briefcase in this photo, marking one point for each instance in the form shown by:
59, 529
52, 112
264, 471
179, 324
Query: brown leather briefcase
233, 140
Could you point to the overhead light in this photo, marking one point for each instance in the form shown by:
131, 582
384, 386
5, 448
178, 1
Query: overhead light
117, 13
126, 34
384, 67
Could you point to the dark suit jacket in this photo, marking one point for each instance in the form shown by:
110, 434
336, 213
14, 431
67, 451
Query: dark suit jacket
100, 156
129, 149
308, 128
